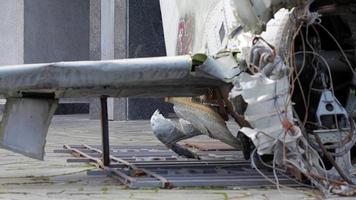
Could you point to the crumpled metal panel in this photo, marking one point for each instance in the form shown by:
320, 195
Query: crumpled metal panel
170, 132
254, 14
224, 68
209, 26
266, 111
204, 119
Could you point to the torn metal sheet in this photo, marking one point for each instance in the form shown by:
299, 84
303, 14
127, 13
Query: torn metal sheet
194, 119
225, 68
204, 119
266, 110
169, 133
254, 14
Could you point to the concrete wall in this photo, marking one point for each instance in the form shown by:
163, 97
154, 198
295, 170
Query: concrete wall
95, 30
56, 30
11, 32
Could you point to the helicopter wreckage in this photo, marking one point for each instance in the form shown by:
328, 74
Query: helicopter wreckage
282, 70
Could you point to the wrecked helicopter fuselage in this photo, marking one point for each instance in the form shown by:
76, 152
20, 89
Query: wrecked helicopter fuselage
282, 70
291, 88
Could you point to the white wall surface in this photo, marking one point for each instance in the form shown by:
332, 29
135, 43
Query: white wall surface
11, 32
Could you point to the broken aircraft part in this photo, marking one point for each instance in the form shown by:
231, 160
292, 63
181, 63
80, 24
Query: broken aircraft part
278, 86
36, 87
281, 73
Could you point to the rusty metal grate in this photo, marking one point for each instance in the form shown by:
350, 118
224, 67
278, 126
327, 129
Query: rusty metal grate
156, 166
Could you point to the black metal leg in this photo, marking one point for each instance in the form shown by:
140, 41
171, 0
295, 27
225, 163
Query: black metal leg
105, 130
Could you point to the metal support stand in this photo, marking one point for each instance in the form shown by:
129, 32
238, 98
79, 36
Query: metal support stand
105, 131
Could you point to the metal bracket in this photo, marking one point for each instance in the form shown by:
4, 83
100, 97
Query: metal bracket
330, 106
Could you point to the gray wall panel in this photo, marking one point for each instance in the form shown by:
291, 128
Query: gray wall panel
56, 30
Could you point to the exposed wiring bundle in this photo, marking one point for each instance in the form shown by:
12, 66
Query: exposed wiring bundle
301, 123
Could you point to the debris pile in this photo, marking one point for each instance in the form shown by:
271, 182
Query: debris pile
284, 99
